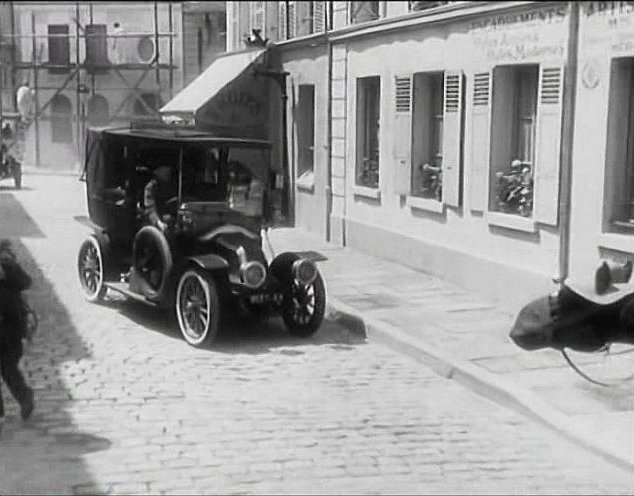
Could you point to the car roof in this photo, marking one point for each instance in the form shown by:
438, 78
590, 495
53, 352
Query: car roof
180, 136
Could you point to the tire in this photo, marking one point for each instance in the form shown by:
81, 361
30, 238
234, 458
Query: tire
152, 258
196, 295
300, 319
90, 269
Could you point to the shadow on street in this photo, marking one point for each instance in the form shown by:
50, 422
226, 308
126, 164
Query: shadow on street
44, 455
14, 221
238, 334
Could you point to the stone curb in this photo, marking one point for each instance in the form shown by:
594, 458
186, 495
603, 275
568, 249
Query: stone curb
31, 171
471, 376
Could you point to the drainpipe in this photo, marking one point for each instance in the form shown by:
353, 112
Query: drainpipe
567, 139
328, 189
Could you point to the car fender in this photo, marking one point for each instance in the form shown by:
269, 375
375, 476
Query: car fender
282, 266
209, 261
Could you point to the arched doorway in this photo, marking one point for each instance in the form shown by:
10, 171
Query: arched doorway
98, 111
61, 120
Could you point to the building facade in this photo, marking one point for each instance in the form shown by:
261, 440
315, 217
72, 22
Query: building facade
96, 63
489, 143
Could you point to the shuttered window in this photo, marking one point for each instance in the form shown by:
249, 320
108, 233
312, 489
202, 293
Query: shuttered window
96, 45
513, 139
305, 129
428, 127
281, 21
619, 171
319, 17
452, 139
480, 141
548, 144
58, 46
402, 133
367, 118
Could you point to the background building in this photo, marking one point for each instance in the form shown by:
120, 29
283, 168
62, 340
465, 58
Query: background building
97, 63
450, 135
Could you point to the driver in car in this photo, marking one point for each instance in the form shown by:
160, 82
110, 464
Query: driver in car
157, 192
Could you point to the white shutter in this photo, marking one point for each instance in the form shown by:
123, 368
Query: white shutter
281, 22
547, 145
292, 19
452, 139
480, 141
402, 134
319, 17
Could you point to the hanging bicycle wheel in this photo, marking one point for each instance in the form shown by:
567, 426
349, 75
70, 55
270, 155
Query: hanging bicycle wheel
612, 366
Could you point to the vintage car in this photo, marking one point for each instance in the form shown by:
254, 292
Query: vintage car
10, 168
213, 252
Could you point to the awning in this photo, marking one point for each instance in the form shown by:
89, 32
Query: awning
226, 96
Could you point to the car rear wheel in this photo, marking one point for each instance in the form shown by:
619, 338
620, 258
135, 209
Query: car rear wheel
197, 307
90, 268
304, 306
152, 261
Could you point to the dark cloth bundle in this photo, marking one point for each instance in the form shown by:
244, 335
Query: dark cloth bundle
583, 315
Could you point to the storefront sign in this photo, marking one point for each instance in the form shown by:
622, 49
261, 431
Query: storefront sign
609, 27
516, 37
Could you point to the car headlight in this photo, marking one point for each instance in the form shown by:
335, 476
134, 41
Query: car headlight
252, 274
304, 271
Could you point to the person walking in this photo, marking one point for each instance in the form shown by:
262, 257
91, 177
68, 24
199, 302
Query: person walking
13, 280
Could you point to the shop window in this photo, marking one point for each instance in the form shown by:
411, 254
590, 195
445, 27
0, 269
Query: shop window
96, 45
427, 144
620, 147
514, 117
368, 116
61, 120
98, 111
306, 132
58, 47
363, 12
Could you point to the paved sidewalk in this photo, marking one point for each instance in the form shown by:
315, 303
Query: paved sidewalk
465, 337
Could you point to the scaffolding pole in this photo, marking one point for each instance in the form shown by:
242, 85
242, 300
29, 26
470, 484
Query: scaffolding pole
36, 92
157, 55
77, 94
171, 27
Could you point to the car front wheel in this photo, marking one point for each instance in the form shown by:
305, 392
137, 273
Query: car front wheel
303, 307
90, 268
197, 307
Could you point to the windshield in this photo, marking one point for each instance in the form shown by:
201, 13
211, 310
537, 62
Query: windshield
225, 173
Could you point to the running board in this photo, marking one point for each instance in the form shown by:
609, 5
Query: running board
123, 288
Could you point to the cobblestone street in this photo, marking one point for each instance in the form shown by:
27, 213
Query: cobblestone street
124, 406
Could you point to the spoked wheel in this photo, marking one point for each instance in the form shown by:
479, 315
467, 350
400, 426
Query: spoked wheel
90, 270
610, 367
197, 307
304, 306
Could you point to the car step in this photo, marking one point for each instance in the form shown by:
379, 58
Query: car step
122, 287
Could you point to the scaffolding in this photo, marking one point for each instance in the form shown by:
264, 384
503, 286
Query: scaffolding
88, 70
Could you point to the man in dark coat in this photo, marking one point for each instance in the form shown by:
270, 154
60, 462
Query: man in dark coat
13, 280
